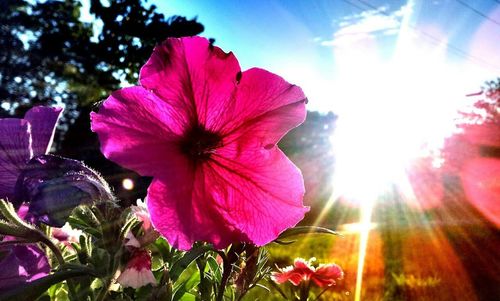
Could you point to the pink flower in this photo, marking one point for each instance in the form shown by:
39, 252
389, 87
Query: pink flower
137, 272
66, 235
141, 213
302, 270
207, 133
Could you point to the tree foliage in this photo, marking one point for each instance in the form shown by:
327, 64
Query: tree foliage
51, 56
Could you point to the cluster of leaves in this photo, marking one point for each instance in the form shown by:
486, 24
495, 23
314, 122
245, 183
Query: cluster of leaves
87, 269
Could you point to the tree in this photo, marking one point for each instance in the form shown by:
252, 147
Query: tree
51, 56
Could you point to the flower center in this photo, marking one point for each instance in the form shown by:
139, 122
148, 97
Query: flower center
199, 144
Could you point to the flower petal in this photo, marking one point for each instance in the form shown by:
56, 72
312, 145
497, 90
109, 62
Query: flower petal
327, 274
15, 152
43, 125
260, 193
304, 265
265, 108
288, 274
22, 264
137, 272
180, 212
134, 124
198, 77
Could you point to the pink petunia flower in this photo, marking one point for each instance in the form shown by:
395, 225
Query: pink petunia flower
207, 133
137, 272
302, 270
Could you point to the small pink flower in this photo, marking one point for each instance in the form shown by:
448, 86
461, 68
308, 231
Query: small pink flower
302, 270
66, 234
131, 240
207, 133
137, 272
141, 213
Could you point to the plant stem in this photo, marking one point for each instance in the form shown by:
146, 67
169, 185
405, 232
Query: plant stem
227, 269
322, 292
203, 287
104, 290
55, 250
304, 291
60, 259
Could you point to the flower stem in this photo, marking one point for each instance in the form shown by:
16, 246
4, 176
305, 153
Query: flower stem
55, 250
227, 269
104, 290
60, 259
203, 287
322, 292
304, 291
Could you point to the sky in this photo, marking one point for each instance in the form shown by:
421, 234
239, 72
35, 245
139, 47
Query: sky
321, 44
395, 72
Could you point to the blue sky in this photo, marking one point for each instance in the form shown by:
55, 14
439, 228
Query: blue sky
300, 39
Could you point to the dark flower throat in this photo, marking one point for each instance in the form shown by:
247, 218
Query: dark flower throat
199, 144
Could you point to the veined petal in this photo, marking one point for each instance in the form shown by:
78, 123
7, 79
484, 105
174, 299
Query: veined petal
265, 108
133, 124
288, 274
15, 152
43, 125
183, 215
259, 193
195, 76
327, 274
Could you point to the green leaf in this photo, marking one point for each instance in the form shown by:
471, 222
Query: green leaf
215, 268
128, 225
188, 297
10, 214
164, 248
100, 259
304, 230
180, 265
80, 224
186, 286
85, 214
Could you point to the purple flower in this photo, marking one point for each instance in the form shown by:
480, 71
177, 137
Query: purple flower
21, 140
21, 264
52, 186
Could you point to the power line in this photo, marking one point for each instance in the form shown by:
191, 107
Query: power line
437, 41
464, 4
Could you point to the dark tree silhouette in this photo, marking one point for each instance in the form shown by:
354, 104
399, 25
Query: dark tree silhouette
50, 56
